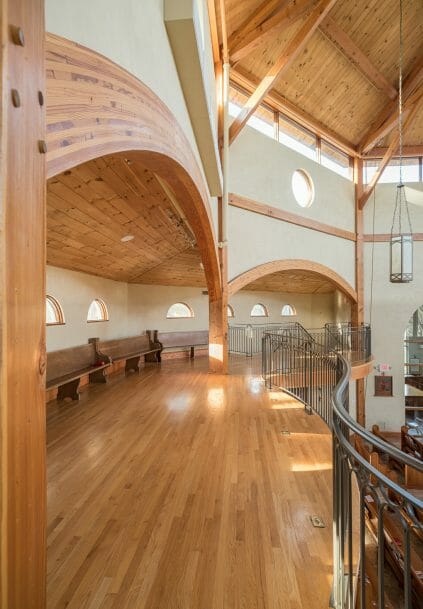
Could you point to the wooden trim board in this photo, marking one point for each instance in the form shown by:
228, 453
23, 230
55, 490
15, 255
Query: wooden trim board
286, 216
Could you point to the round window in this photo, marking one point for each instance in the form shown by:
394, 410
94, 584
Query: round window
303, 188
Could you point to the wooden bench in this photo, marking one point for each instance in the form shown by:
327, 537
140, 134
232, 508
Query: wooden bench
66, 367
130, 349
179, 340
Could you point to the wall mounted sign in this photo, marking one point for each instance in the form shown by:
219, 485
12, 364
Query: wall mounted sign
383, 386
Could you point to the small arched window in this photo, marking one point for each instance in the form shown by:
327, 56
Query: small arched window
288, 310
54, 312
98, 311
230, 311
178, 310
259, 310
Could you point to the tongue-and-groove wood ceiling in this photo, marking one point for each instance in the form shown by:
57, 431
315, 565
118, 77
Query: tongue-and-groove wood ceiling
91, 207
346, 75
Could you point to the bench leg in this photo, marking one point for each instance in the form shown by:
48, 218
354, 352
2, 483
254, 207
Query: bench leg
151, 357
133, 364
99, 376
191, 353
70, 390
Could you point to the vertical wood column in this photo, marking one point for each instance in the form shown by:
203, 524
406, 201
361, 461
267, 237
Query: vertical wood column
22, 307
358, 308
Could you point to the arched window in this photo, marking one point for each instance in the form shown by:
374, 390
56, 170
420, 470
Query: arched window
178, 310
288, 310
259, 310
230, 311
98, 311
54, 312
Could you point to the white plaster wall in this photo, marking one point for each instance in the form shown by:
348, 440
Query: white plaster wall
313, 310
261, 169
393, 305
75, 292
148, 306
131, 33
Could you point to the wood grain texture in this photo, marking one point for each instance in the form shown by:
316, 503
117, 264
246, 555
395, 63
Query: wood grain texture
292, 282
22, 311
285, 216
291, 265
96, 109
176, 489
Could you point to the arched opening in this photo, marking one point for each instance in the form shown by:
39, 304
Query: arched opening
413, 370
54, 312
97, 311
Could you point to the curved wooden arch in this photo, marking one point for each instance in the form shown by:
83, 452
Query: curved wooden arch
276, 266
96, 108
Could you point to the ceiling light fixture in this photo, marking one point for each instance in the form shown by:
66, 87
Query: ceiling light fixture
127, 238
401, 255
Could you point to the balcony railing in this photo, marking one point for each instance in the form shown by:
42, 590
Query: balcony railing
387, 514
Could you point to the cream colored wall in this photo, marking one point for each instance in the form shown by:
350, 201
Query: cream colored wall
75, 292
393, 305
261, 169
148, 306
313, 310
341, 307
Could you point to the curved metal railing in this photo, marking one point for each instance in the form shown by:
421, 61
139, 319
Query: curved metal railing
364, 494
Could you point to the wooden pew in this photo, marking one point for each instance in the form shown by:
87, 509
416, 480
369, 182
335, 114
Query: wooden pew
179, 340
130, 350
66, 367
411, 445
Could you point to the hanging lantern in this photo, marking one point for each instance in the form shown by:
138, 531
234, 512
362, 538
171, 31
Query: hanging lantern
401, 267
401, 259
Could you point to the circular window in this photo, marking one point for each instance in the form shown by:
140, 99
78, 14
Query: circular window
303, 188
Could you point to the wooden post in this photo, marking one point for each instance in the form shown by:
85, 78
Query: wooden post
358, 308
22, 307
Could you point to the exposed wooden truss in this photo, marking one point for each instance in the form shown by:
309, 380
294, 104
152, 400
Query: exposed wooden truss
286, 58
265, 21
364, 197
351, 51
388, 117
408, 151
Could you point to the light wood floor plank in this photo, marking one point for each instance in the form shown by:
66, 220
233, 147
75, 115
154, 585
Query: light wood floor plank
175, 489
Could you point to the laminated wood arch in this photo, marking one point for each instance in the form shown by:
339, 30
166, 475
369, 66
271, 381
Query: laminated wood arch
96, 108
276, 266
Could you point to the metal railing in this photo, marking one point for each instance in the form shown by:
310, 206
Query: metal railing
371, 497
247, 338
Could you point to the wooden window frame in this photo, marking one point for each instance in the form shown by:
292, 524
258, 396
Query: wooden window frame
191, 316
261, 305
293, 309
58, 309
230, 308
104, 310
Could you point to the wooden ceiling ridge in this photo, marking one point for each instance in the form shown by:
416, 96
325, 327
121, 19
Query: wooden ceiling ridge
387, 119
284, 61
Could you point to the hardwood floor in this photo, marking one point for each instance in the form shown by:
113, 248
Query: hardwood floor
177, 489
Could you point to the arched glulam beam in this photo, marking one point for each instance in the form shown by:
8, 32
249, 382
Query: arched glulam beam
96, 108
276, 266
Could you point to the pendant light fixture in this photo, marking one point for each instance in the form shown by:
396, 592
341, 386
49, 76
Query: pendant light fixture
401, 258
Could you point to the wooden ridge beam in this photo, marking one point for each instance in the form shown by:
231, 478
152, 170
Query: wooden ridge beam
385, 160
384, 237
253, 32
350, 50
287, 108
388, 116
286, 58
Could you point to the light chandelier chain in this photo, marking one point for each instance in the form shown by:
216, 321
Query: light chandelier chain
400, 118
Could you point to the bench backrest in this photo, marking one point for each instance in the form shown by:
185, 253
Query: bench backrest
183, 339
120, 347
67, 361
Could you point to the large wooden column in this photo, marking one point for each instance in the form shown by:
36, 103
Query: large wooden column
358, 308
22, 307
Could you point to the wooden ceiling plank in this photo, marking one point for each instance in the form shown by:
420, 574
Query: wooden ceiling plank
246, 39
386, 158
350, 50
283, 62
388, 117
255, 19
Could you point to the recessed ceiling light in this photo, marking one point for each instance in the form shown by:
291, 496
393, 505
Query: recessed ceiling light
127, 238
